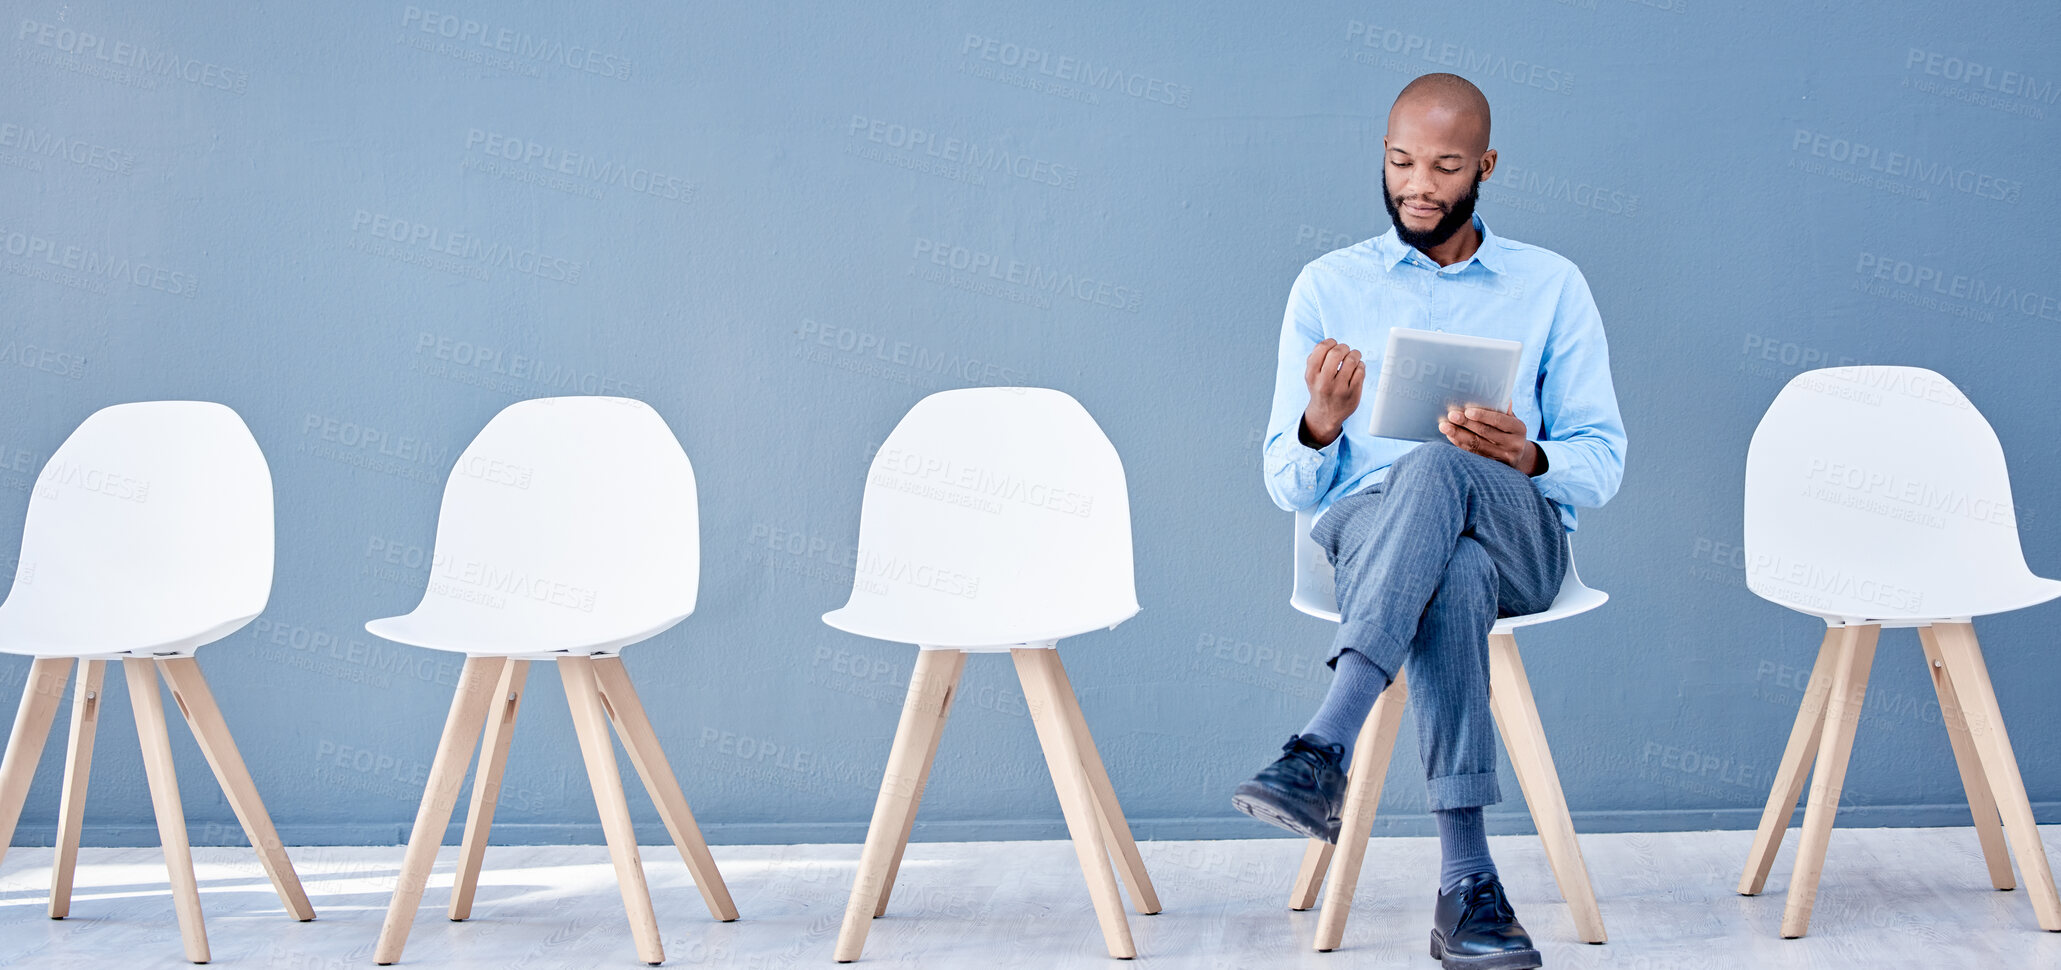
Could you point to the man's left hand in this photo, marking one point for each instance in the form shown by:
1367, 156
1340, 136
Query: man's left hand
1491, 434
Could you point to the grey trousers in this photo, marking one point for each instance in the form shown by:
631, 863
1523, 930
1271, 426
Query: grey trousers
1426, 561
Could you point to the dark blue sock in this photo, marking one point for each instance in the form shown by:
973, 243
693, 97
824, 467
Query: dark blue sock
1344, 711
1463, 846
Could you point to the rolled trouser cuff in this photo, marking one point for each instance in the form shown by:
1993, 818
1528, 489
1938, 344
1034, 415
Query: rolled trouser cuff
1462, 791
1373, 642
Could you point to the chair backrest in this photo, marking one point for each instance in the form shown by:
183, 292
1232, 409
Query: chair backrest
575, 515
151, 525
1316, 583
999, 514
1877, 492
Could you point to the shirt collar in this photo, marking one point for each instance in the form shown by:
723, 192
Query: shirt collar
1489, 254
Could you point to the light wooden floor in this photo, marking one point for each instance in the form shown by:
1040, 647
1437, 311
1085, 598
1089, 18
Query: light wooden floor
1891, 898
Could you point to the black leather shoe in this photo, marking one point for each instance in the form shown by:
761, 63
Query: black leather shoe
1302, 791
1474, 928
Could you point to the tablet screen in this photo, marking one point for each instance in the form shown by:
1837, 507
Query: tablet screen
1425, 373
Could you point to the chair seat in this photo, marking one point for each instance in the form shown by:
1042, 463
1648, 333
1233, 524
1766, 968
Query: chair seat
23, 634
475, 635
959, 633
1574, 598
2004, 597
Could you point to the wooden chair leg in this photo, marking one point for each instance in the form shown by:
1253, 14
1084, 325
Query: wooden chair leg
590, 722
944, 712
1309, 877
626, 711
211, 732
1116, 830
1316, 858
1524, 736
156, 740
1842, 716
1794, 770
39, 697
1985, 720
476, 683
78, 766
1982, 805
486, 785
932, 686
1034, 666
1368, 774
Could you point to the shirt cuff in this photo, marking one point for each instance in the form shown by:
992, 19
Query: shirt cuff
1559, 456
1304, 451
1312, 460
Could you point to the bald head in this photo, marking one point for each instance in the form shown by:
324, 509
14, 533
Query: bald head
1435, 156
1446, 101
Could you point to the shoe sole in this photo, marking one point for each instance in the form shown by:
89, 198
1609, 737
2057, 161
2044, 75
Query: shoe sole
1507, 960
1257, 801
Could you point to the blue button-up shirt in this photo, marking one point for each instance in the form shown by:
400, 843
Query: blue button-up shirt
1506, 289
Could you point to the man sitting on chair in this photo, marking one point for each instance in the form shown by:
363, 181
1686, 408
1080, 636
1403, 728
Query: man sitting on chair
1432, 542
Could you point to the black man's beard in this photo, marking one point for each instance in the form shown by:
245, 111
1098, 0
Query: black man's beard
1459, 214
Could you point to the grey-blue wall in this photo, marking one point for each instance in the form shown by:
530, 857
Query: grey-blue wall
735, 212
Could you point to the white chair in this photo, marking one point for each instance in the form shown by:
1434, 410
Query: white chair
149, 535
995, 519
569, 530
1517, 720
1877, 497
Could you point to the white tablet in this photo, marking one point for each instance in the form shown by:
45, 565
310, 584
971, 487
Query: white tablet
1424, 374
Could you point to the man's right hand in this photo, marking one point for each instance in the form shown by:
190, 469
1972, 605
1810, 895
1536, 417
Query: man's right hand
1334, 374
